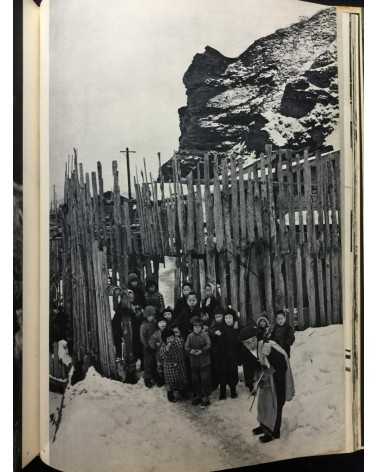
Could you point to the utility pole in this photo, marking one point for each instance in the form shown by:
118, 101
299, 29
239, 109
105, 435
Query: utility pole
127, 152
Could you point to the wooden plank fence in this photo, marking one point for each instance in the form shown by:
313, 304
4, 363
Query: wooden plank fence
266, 235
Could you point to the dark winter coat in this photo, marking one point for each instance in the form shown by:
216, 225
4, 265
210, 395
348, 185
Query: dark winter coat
155, 299
179, 306
198, 341
284, 336
139, 298
147, 329
225, 352
184, 317
125, 328
208, 305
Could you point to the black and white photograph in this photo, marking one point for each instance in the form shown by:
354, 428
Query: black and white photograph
195, 250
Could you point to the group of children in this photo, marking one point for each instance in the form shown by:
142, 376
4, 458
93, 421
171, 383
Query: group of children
191, 349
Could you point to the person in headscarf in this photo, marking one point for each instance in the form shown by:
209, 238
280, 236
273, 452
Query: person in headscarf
276, 386
135, 285
263, 327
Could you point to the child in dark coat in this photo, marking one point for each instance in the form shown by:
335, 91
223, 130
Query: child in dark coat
155, 344
135, 285
215, 332
125, 332
197, 346
167, 314
209, 303
181, 302
283, 333
147, 329
226, 351
190, 310
173, 361
153, 296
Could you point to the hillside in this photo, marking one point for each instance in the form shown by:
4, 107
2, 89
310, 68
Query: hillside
282, 90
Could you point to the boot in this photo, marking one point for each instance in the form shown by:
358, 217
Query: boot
257, 431
148, 383
171, 396
131, 378
266, 438
205, 401
222, 393
234, 393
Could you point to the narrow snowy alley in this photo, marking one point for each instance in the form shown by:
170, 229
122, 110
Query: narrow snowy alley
130, 426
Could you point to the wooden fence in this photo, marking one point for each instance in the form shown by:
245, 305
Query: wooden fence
266, 235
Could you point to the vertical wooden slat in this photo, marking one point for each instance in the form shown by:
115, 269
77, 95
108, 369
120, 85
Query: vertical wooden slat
308, 246
209, 215
336, 305
253, 273
319, 250
266, 240
242, 250
290, 257
190, 239
200, 230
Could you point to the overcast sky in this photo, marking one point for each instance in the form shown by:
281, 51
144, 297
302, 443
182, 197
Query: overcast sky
116, 70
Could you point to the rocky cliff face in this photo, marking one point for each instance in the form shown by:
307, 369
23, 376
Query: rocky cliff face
282, 90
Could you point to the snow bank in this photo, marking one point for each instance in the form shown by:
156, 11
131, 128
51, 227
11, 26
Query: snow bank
110, 426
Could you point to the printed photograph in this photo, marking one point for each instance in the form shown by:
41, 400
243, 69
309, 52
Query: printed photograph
195, 315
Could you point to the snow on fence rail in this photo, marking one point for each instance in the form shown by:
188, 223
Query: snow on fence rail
269, 240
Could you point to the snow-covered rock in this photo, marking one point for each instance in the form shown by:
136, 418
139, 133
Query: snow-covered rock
107, 425
282, 91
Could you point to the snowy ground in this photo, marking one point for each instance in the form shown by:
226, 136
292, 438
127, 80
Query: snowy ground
109, 426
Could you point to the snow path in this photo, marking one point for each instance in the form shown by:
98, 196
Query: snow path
109, 426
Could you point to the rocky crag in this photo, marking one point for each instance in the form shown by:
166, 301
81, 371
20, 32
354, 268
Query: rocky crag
282, 91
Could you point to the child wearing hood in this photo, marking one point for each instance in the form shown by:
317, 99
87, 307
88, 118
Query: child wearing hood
215, 332
263, 327
197, 346
147, 329
153, 296
283, 333
173, 361
167, 314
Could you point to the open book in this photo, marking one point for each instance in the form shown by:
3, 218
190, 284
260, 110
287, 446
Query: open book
195, 169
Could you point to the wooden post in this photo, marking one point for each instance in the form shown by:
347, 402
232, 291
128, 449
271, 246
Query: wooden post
308, 247
266, 241
243, 250
253, 273
209, 209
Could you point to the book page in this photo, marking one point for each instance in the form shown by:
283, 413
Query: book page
31, 193
193, 235
350, 67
